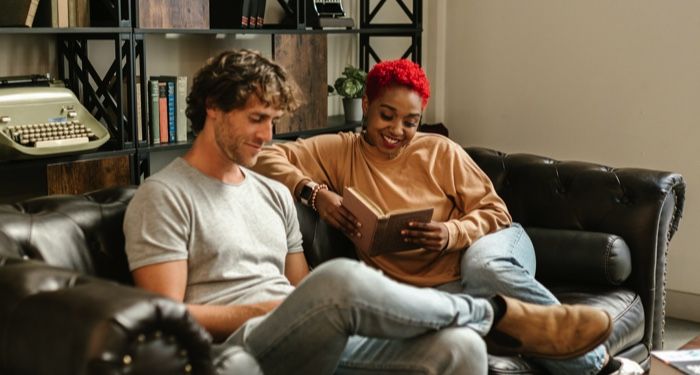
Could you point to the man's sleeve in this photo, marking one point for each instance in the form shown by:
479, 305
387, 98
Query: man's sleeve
155, 226
294, 241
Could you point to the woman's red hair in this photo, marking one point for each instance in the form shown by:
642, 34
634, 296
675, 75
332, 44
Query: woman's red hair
397, 73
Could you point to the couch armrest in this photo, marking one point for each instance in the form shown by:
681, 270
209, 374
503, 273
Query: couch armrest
579, 257
58, 321
321, 241
641, 206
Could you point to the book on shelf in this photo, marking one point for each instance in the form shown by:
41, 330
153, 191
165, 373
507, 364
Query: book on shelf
181, 116
46, 14
171, 82
675, 362
154, 111
18, 12
163, 110
251, 13
259, 14
381, 231
62, 9
78, 13
139, 110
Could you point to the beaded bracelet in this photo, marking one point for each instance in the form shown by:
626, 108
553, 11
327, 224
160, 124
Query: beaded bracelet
315, 192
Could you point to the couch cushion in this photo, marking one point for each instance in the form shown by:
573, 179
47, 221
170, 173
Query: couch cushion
581, 257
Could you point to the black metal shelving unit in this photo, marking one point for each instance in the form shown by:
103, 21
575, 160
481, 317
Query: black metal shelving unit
101, 92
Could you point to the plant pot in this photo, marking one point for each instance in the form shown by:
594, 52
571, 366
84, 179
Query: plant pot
352, 107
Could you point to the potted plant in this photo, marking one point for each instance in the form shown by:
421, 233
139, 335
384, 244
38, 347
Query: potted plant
351, 86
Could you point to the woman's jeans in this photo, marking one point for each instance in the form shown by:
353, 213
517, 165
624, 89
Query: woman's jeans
504, 263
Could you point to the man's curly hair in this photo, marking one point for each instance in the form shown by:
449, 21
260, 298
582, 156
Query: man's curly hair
227, 81
397, 73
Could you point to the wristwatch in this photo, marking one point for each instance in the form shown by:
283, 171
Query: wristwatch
307, 192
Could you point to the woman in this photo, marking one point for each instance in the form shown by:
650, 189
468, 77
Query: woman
471, 244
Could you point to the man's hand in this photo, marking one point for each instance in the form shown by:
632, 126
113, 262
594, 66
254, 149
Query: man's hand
431, 236
330, 208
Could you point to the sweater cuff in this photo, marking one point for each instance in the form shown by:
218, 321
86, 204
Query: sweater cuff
456, 240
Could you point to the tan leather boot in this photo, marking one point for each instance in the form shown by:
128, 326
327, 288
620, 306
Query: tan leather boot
555, 331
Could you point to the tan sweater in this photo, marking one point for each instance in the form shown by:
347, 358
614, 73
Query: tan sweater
431, 171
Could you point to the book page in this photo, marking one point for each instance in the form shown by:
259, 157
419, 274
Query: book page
389, 238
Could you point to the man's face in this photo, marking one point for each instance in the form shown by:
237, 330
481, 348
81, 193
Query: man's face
392, 119
241, 133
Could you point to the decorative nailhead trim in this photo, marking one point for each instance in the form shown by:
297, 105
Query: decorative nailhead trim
315, 192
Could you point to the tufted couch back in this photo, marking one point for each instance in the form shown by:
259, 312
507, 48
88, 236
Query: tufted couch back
81, 232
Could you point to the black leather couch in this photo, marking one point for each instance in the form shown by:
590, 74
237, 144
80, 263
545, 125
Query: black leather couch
67, 304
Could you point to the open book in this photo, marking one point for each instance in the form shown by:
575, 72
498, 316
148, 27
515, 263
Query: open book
381, 232
675, 362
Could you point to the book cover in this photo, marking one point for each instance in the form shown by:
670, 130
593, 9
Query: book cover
675, 362
18, 12
381, 231
163, 110
181, 116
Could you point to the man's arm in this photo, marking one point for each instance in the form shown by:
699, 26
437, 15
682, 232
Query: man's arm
170, 279
295, 267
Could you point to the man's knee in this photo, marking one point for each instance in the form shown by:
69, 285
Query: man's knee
342, 277
460, 351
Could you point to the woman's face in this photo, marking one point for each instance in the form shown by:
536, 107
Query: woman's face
392, 119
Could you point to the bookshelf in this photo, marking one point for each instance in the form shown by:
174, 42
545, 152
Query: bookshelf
108, 87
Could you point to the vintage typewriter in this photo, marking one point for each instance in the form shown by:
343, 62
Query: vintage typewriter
44, 120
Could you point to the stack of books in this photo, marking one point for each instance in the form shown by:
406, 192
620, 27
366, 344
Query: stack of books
237, 14
167, 103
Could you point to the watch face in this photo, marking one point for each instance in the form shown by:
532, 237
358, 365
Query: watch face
306, 193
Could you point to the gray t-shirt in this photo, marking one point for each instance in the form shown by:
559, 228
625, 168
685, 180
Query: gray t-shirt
234, 237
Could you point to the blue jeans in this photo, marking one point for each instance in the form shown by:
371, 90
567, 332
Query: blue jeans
504, 263
347, 318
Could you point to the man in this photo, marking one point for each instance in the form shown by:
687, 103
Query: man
224, 240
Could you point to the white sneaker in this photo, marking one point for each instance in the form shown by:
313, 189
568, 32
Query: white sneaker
628, 367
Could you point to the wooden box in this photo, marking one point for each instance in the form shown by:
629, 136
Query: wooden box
172, 14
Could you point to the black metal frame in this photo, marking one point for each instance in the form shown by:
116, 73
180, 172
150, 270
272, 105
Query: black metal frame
101, 94
412, 30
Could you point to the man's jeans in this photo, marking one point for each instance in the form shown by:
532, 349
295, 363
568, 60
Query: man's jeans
504, 263
348, 318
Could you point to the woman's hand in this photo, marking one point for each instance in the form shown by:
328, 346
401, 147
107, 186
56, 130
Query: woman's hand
330, 208
431, 236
